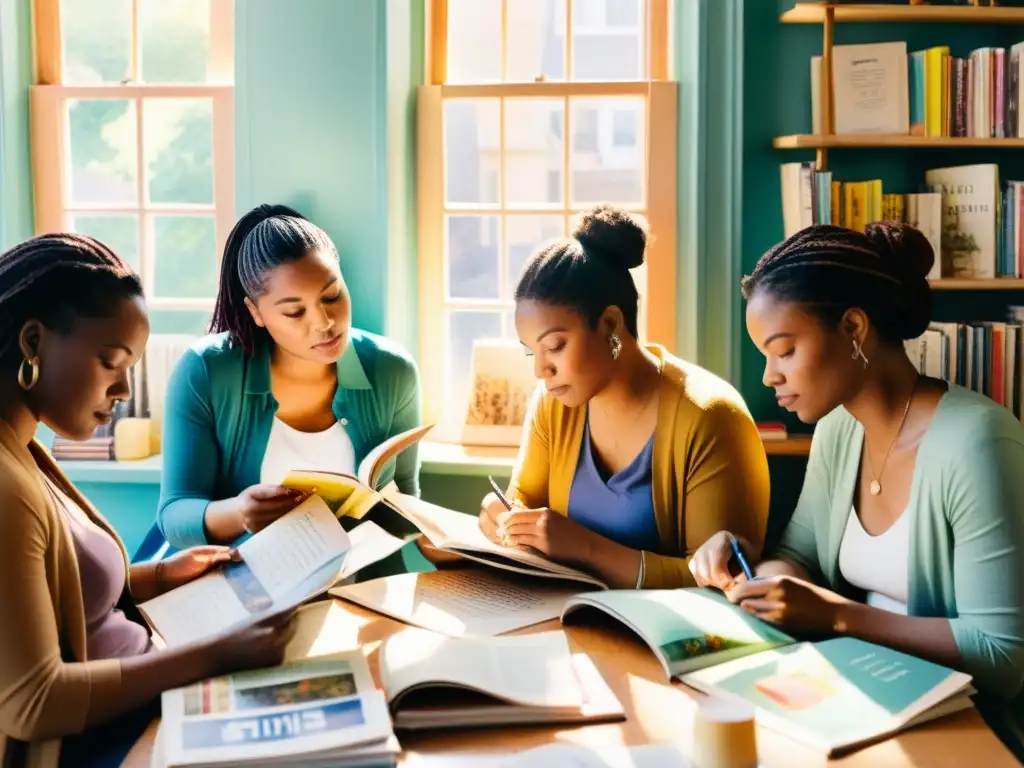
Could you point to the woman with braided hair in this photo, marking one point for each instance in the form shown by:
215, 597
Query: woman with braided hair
284, 382
79, 676
909, 529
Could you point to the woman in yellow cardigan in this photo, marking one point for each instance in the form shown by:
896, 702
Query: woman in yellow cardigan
80, 677
632, 458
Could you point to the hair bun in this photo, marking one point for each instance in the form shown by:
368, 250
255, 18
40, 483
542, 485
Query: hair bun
909, 256
615, 235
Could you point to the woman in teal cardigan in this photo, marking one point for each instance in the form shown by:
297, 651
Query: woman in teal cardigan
909, 528
283, 383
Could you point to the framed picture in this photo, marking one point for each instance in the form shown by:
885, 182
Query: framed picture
499, 393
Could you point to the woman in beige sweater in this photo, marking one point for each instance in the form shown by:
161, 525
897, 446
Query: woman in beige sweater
76, 662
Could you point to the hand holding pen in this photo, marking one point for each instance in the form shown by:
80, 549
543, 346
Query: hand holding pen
494, 506
710, 564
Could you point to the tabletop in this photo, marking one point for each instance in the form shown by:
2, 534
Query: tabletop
656, 712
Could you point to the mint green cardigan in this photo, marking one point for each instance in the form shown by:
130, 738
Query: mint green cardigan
219, 409
966, 558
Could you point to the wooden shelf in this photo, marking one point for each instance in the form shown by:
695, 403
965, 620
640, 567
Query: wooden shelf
814, 13
882, 141
794, 445
978, 284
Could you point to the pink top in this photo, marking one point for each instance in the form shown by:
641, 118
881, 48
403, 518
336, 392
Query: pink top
109, 633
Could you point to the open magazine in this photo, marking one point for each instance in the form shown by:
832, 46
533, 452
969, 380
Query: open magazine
297, 557
833, 695
322, 711
434, 681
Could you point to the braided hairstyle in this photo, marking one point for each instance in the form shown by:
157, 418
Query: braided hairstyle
54, 278
882, 271
589, 271
263, 239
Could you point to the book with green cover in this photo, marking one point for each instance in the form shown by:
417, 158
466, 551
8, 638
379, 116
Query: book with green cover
687, 629
833, 694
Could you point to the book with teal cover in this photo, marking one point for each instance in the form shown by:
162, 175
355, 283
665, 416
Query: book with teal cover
833, 695
839, 693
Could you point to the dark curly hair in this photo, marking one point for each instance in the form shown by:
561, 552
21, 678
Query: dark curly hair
589, 271
882, 271
55, 278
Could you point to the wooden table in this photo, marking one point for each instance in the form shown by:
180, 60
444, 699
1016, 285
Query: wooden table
660, 713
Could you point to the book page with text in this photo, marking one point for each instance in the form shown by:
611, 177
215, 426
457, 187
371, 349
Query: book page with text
460, 601
294, 558
532, 670
284, 553
561, 755
460, 533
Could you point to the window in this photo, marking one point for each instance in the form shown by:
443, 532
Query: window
521, 127
132, 139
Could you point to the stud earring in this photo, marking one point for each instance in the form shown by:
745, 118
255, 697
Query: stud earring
858, 351
26, 382
615, 343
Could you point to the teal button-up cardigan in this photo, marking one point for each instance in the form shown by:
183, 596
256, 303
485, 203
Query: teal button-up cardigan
966, 553
219, 409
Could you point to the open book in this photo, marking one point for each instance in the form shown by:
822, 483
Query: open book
316, 712
833, 695
434, 681
355, 495
299, 556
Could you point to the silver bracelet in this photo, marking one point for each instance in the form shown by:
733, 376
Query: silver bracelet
643, 570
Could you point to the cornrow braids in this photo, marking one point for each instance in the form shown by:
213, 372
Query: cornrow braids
54, 278
882, 271
263, 239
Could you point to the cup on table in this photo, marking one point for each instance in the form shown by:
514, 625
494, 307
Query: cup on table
724, 735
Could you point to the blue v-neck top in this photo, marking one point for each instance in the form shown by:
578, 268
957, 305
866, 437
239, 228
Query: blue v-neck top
619, 507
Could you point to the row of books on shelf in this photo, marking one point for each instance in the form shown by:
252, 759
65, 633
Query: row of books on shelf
973, 223
880, 88
984, 357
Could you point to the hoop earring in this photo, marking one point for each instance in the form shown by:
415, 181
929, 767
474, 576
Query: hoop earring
858, 351
33, 377
616, 345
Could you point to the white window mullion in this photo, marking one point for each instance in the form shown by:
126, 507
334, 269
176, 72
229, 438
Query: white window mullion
146, 261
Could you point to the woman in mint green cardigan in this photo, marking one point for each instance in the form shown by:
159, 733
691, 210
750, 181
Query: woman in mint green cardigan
910, 525
283, 383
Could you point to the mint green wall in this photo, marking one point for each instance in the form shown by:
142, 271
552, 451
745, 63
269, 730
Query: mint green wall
310, 102
15, 78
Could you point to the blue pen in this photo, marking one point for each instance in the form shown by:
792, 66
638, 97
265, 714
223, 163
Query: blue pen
738, 554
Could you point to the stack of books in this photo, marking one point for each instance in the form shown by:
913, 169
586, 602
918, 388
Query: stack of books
317, 711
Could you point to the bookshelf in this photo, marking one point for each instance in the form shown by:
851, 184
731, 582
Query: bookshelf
780, 57
889, 141
818, 13
793, 445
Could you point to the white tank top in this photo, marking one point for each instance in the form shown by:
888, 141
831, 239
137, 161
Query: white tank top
288, 449
877, 564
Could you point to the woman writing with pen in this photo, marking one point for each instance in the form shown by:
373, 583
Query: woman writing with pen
631, 457
908, 530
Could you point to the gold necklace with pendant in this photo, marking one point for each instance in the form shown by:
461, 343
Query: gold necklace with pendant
875, 486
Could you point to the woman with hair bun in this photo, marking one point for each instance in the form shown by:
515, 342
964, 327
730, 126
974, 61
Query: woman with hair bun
631, 457
284, 382
909, 527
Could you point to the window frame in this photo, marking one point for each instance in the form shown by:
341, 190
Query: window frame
658, 305
50, 149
